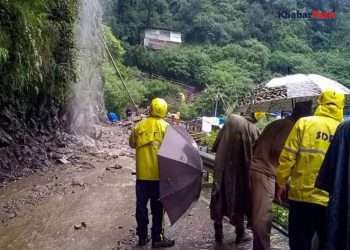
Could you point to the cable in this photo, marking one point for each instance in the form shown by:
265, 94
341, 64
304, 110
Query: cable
118, 71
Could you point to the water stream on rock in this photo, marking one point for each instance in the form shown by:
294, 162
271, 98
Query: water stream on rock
87, 105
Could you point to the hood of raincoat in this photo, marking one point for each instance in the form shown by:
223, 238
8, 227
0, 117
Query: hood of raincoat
331, 104
159, 108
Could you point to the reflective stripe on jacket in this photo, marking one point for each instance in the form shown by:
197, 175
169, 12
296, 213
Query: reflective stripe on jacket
303, 154
146, 137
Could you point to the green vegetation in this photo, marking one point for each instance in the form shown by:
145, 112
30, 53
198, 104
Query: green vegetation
37, 66
229, 46
210, 138
280, 215
142, 90
36, 48
233, 45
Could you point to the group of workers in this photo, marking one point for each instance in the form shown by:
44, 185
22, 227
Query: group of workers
290, 152
248, 164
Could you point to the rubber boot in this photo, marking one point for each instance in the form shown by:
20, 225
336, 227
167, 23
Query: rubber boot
163, 243
241, 235
218, 232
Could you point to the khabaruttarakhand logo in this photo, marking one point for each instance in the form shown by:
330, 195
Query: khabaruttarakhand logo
314, 14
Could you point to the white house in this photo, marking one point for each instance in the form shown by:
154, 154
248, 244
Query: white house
158, 38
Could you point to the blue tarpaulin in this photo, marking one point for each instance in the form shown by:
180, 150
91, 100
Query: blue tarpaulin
221, 120
113, 117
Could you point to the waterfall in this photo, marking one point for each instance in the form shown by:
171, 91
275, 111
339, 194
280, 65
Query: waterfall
87, 104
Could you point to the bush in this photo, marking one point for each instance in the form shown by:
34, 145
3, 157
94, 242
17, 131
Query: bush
116, 97
157, 88
209, 139
280, 215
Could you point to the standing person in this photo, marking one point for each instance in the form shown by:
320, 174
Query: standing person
128, 113
334, 177
263, 173
299, 164
147, 137
230, 193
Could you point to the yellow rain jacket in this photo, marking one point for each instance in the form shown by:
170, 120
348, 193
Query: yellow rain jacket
147, 137
305, 148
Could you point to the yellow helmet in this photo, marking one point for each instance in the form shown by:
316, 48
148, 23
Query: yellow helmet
259, 115
182, 97
159, 107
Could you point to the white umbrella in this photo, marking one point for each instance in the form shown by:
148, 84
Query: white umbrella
282, 92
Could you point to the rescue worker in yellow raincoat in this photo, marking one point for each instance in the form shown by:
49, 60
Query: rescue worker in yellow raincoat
147, 137
299, 164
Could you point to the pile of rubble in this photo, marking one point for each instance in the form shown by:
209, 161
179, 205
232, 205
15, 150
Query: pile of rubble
262, 94
26, 141
22, 158
26, 147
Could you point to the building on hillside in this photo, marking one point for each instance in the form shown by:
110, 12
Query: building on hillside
159, 38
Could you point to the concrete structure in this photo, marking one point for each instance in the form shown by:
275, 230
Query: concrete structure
159, 38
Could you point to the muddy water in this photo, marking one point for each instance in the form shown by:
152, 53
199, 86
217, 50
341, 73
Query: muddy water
49, 224
40, 212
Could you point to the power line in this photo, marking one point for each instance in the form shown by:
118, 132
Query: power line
118, 73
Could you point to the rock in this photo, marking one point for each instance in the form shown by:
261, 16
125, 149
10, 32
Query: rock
5, 138
8, 176
55, 156
76, 182
80, 226
87, 165
61, 144
98, 133
117, 166
114, 167
63, 161
12, 215
122, 154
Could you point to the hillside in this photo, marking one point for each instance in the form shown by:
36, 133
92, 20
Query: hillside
36, 71
229, 47
234, 45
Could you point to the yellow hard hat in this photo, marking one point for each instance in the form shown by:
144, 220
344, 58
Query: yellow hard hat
159, 107
259, 115
182, 97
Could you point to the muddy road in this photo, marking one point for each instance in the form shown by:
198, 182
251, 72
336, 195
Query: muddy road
87, 201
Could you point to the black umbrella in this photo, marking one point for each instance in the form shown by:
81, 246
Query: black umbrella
180, 168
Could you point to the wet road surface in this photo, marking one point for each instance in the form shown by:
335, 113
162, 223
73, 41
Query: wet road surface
90, 204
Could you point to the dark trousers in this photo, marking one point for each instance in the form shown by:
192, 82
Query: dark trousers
145, 191
237, 222
306, 219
